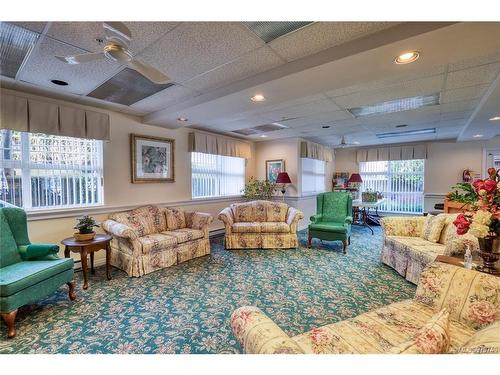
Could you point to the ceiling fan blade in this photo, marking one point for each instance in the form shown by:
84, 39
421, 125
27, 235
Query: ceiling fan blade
153, 74
83, 58
117, 32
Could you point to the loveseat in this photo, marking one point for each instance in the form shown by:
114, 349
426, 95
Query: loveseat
404, 249
151, 237
260, 225
471, 298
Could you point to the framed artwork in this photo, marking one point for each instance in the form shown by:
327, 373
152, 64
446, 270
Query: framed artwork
273, 168
152, 159
340, 179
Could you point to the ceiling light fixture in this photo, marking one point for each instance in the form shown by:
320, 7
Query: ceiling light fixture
397, 105
496, 118
355, 143
183, 119
407, 57
263, 136
477, 136
406, 133
58, 82
258, 98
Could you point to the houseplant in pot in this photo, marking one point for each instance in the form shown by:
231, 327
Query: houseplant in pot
483, 219
85, 226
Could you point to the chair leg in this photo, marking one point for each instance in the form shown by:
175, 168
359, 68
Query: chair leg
309, 240
10, 319
349, 240
71, 291
344, 242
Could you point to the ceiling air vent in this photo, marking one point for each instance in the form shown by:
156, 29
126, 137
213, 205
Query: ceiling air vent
15, 44
127, 87
266, 128
247, 131
268, 31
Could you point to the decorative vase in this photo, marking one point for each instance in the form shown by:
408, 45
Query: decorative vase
490, 252
84, 236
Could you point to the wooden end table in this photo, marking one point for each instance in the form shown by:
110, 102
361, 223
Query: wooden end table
459, 262
100, 241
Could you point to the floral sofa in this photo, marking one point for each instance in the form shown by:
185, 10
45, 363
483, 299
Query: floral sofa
260, 225
404, 249
150, 238
471, 299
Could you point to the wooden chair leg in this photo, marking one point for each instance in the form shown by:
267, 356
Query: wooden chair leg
344, 242
71, 291
349, 240
309, 240
10, 319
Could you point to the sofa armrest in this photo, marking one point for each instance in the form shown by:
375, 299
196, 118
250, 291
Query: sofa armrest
316, 218
34, 251
198, 220
257, 334
293, 218
402, 226
119, 230
226, 216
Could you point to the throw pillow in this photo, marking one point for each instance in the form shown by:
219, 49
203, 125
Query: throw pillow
432, 228
485, 341
175, 218
432, 338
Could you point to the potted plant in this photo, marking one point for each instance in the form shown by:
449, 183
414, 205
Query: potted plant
85, 226
256, 189
482, 219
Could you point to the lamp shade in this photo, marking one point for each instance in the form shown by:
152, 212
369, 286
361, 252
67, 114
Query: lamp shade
283, 178
355, 177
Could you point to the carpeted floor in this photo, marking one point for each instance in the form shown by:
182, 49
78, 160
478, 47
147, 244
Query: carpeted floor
186, 308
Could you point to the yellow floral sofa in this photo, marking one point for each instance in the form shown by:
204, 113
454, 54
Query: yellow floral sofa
404, 249
150, 238
471, 298
260, 225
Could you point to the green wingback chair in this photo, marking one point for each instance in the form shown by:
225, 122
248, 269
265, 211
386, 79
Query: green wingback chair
333, 218
28, 272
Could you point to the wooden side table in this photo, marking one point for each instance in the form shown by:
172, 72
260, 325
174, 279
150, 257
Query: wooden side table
100, 241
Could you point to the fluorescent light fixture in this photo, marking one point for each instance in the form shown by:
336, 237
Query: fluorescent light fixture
258, 98
496, 118
15, 45
397, 105
406, 133
407, 57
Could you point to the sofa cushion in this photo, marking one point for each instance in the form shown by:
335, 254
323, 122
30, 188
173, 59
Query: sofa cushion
328, 226
185, 234
449, 231
243, 212
243, 227
21, 275
432, 338
377, 331
156, 242
157, 214
433, 227
485, 341
175, 218
276, 211
274, 227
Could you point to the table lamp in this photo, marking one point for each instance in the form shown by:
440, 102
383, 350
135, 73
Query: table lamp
283, 178
356, 180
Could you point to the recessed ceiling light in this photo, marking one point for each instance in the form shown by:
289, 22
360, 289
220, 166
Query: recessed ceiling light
407, 57
326, 126
477, 135
182, 119
258, 98
263, 136
397, 105
355, 143
59, 82
496, 118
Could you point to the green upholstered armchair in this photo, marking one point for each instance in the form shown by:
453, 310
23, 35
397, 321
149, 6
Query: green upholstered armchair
28, 272
333, 218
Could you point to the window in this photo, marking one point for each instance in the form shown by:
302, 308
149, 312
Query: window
313, 176
39, 171
216, 175
400, 181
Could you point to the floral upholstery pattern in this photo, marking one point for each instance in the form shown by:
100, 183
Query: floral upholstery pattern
142, 243
407, 325
260, 225
405, 250
433, 226
432, 338
485, 341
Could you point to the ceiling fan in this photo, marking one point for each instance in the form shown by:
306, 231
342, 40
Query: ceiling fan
343, 143
118, 37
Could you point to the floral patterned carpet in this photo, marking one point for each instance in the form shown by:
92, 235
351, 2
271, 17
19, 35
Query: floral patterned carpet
186, 308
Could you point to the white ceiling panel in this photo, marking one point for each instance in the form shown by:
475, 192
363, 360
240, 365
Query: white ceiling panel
193, 48
323, 35
464, 93
463, 106
475, 61
473, 76
303, 110
42, 67
164, 98
252, 63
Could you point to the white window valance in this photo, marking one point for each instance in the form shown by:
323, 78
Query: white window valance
36, 116
218, 145
409, 152
313, 150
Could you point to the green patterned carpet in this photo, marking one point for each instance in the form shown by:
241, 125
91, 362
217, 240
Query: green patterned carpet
186, 308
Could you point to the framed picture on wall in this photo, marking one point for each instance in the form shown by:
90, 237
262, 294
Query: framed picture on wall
152, 159
273, 168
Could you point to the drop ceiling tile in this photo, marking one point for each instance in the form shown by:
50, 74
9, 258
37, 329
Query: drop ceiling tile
478, 75
464, 93
323, 35
32, 26
252, 63
41, 67
462, 106
303, 110
165, 98
322, 118
83, 34
193, 48
455, 115
475, 61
